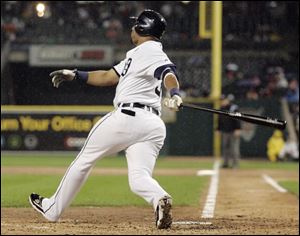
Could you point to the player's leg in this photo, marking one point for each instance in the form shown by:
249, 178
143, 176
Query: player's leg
141, 158
225, 149
235, 142
102, 140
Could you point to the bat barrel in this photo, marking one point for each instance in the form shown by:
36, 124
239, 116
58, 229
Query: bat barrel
259, 120
266, 121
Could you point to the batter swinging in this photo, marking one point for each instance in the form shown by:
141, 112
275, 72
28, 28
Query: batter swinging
134, 126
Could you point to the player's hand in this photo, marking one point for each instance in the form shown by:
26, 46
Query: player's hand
60, 76
173, 103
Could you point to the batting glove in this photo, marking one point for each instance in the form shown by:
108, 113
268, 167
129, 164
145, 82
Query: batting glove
173, 103
60, 76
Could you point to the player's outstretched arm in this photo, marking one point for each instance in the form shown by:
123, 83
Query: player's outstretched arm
60, 76
172, 85
95, 78
103, 78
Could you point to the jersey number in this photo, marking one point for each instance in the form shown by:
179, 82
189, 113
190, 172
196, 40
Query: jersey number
126, 67
124, 72
158, 90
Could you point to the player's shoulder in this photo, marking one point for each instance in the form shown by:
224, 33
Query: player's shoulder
150, 46
148, 49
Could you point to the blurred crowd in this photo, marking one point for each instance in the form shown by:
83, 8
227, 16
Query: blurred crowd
274, 81
108, 21
244, 23
260, 21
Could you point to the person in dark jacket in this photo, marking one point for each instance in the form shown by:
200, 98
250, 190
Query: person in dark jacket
230, 131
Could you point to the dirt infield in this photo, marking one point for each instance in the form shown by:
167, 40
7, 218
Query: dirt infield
246, 204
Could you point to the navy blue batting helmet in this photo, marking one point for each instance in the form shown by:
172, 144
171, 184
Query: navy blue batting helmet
150, 23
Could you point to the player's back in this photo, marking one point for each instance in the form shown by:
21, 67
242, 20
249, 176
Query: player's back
139, 80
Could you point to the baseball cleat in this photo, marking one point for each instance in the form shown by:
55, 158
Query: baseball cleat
163, 213
36, 202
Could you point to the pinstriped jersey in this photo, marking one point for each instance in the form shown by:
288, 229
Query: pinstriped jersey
141, 74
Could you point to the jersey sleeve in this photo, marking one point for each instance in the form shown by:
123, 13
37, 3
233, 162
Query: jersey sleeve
119, 67
163, 70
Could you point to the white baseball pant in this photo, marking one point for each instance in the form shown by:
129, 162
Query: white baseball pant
142, 136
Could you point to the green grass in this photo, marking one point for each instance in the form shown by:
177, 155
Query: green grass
113, 161
54, 160
98, 190
114, 190
265, 164
291, 186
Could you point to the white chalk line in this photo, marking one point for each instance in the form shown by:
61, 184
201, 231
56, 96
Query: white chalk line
273, 183
209, 207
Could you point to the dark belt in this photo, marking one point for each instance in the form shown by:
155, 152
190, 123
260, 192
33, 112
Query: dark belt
138, 105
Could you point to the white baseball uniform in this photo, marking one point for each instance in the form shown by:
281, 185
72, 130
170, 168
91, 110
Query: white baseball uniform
134, 126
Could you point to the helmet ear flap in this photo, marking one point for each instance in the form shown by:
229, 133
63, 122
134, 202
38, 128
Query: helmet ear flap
138, 29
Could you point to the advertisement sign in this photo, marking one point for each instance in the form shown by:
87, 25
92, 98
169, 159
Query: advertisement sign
53, 131
70, 55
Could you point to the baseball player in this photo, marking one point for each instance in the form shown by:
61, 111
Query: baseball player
134, 125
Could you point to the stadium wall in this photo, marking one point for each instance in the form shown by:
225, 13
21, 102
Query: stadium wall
65, 128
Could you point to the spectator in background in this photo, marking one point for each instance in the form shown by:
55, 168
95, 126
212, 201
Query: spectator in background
231, 78
292, 93
248, 85
231, 131
276, 82
114, 30
290, 150
231, 71
281, 81
252, 94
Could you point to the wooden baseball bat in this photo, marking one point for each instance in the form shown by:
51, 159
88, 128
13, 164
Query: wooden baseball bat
259, 120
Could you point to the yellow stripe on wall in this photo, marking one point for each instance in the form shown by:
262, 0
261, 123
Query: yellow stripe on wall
53, 108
